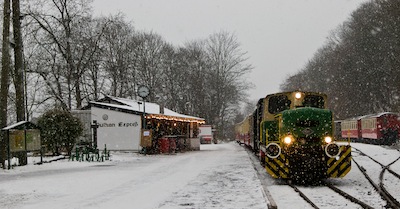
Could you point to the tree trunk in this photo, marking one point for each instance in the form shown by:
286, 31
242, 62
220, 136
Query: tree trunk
19, 63
4, 79
19, 73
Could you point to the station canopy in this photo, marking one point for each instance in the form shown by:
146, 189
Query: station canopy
152, 110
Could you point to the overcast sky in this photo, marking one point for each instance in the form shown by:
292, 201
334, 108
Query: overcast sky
279, 36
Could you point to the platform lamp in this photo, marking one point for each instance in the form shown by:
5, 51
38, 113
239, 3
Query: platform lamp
143, 91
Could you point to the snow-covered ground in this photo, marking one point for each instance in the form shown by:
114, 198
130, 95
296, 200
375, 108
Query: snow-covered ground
218, 176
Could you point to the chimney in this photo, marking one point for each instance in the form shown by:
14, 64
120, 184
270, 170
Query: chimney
161, 109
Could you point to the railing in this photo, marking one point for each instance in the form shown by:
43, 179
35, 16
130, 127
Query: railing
90, 154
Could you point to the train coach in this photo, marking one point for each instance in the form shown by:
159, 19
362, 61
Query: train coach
292, 134
382, 128
243, 131
351, 128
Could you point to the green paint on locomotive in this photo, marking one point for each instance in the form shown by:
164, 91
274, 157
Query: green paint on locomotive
307, 128
307, 125
269, 132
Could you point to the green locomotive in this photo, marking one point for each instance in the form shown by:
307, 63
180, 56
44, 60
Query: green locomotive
292, 133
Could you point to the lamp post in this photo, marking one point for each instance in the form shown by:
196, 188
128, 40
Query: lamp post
94, 126
143, 91
188, 107
144, 115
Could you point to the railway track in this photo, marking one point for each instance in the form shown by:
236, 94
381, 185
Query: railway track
334, 189
380, 187
310, 194
302, 195
348, 196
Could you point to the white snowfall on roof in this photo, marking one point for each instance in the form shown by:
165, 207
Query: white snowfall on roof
149, 108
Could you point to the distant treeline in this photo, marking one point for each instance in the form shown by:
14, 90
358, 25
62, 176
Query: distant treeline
359, 66
71, 57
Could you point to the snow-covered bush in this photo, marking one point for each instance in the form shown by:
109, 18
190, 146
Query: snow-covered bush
59, 130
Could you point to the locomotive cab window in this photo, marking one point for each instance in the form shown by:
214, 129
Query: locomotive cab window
278, 104
314, 101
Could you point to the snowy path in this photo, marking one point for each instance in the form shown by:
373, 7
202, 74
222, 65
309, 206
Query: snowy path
218, 176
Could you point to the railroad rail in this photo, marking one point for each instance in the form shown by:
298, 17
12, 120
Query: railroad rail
380, 188
302, 195
348, 196
335, 189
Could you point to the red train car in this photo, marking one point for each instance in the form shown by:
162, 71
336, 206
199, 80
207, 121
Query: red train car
351, 128
382, 128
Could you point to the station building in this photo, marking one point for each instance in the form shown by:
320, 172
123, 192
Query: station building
120, 122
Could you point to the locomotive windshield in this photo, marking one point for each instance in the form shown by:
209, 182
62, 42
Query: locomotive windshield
314, 101
278, 104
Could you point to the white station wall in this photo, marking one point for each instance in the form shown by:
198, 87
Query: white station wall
118, 130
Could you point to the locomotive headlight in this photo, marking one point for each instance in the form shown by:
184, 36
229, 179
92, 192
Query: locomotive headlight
288, 139
328, 139
298, 95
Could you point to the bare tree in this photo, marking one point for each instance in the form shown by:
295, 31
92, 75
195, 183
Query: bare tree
172, 92
226, 77
149, 60
95, 81
69, 47
117, 52
192, 60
